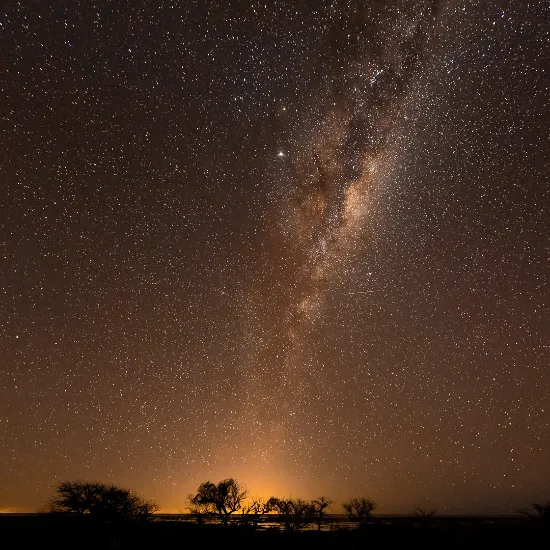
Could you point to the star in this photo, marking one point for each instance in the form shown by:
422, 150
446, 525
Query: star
233, 230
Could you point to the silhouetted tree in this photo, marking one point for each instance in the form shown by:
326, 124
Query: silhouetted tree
146, 510
319, 506
222, 499
200, 510
541, 511
424, 513
255, 509
100, 501
359, 508
294, 513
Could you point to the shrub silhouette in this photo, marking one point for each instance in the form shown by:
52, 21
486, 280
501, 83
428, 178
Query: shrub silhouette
424, 513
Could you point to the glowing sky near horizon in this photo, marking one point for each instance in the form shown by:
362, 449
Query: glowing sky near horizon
306, 248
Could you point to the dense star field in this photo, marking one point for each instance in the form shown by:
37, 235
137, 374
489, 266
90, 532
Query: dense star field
303, 244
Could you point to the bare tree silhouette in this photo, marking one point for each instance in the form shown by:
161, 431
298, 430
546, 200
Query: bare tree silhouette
222, 499
359, 508
255, 509
100, 501
320, 505
295, 514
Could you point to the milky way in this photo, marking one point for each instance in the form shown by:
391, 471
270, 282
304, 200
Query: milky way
376, 50
301, 244
334, 166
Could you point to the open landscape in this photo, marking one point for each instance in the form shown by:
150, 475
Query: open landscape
274, 274
95, 515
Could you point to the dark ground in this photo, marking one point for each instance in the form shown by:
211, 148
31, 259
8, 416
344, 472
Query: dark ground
43, 531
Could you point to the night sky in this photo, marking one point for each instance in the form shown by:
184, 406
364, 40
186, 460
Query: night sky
303, 244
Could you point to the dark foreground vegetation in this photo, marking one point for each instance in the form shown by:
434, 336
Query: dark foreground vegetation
62, 532
90, 515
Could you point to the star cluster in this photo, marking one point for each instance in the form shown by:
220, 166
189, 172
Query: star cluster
303, 246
